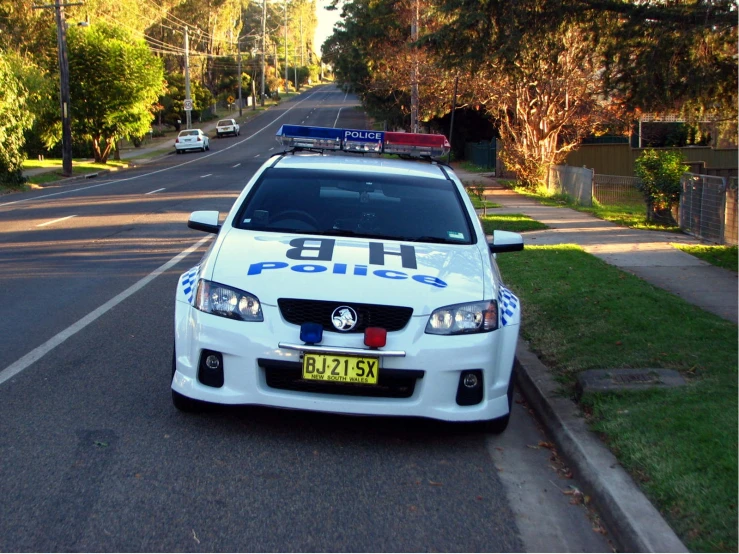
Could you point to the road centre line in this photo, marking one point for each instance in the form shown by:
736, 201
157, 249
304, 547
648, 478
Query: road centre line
166, 168
337, 117
40, 351
152, 192
55, 221
204, 176
237, 165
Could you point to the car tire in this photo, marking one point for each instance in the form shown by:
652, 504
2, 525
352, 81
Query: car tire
178, 152
499, 424
181, 402
207, 146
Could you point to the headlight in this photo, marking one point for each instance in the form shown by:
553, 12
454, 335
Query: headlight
217, 299
473, 317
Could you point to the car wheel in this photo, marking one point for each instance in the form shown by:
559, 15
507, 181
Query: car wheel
178, 152
498, 425
181, 402
207, 146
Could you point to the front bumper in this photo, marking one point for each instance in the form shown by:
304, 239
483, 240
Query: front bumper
252, 361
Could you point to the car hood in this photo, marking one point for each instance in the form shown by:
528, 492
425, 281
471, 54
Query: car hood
418, 275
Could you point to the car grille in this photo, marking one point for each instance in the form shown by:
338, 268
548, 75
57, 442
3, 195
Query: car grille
390, 383
298, 311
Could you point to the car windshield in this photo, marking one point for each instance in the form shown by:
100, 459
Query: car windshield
189, 133
397, 207
225, 122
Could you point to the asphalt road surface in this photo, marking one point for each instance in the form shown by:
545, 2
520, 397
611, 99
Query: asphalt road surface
94, 457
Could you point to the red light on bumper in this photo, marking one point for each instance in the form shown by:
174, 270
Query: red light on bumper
375, 337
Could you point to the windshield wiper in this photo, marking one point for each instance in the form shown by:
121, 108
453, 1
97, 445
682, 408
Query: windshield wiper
437, 240
350, 233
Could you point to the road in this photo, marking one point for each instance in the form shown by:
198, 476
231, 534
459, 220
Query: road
94, 457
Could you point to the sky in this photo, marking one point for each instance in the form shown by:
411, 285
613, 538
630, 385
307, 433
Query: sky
326, 20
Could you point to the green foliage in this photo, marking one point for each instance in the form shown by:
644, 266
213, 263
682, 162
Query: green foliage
114, 82
721, 256
15, 118
660, 172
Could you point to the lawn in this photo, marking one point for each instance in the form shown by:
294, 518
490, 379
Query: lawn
680, 444
721, 256
517, 223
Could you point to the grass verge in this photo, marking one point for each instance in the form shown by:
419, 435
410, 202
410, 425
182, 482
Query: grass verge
721, 256
680, 445
632, 215
517, 223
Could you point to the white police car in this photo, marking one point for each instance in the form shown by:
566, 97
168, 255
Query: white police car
349, 284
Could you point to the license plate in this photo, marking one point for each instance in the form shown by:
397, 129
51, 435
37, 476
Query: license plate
340, 369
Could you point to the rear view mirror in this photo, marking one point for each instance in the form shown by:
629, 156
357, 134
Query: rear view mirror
204, 221
505, 241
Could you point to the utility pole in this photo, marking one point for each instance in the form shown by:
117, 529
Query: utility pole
287, 79
240, 102
414, 72
61, 40
451, 124
188, 100
264, 43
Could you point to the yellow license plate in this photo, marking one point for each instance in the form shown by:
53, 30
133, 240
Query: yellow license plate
340, 369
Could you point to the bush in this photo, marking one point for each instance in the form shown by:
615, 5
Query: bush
660, 172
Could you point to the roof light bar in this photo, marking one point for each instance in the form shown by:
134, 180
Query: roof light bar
356, 140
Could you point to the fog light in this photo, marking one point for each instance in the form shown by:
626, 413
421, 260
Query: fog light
470, 390
470, 380
210, 368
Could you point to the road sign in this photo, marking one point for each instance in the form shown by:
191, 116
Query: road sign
188, 104
230, 99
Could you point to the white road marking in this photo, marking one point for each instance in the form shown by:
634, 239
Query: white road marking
256, 156
337, 117
237, 165
283, 114
204, 176
271, 149
39, 352
55, 221
152, 192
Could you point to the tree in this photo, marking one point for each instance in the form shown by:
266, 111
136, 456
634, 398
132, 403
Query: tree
114, 82
660, 172
15, 118
534, 70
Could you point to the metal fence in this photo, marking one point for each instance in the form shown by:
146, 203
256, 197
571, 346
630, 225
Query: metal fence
703, 207
482, 154
617, 189
575, 182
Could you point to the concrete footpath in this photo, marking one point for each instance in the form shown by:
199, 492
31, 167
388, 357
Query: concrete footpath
632, 520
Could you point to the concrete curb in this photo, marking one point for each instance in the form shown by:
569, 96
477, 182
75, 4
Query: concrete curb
632, 520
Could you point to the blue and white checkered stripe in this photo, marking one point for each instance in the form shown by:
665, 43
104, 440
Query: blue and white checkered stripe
508, 304
188, 282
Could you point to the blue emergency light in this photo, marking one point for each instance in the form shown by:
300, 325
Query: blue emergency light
366, 141
303, 136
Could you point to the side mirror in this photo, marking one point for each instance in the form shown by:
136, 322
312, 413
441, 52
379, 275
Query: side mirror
204, 221
505, 241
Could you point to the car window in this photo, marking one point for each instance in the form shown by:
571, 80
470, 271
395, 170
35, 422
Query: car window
399, 207
192, 133
225, 122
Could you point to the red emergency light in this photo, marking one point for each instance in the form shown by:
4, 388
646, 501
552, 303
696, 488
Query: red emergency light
415, 144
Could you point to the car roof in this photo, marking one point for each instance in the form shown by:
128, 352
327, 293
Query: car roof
361, 164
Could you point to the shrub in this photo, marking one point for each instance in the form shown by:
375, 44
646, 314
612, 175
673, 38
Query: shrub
660, 172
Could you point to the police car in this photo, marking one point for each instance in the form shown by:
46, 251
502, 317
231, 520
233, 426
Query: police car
350, 284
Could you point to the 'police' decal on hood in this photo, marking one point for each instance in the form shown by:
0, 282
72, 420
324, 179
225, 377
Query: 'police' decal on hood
322, 250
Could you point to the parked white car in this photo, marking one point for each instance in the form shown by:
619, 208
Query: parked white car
227, 127
350, 284
191, 139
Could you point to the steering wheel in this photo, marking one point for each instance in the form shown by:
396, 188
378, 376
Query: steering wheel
299, 215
